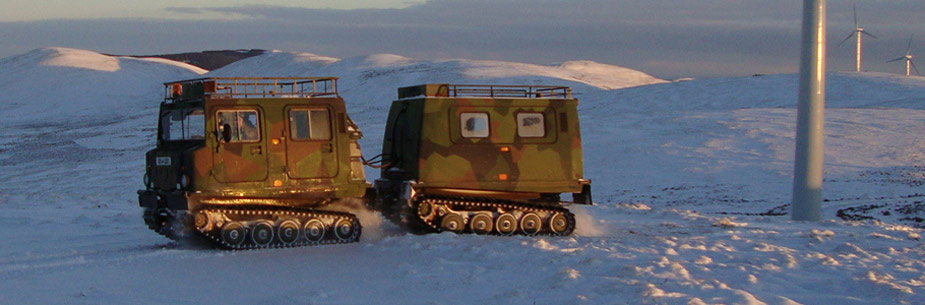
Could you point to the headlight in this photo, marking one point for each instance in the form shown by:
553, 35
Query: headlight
147, 181
184, 181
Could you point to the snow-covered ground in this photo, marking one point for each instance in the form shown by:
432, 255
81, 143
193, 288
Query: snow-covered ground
692, 183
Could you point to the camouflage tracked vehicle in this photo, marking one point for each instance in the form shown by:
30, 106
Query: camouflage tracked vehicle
254, 163
482, 159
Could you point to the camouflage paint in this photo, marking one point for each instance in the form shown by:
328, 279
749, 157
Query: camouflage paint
424, 139
277, 167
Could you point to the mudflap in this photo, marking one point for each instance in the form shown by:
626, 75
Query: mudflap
147, 199
175, 200
584, 197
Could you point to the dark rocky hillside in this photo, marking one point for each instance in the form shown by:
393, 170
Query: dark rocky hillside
209, 60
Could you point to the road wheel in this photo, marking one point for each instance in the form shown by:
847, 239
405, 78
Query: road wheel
262, 233
453, 223
288, 231
531, 223
233, 234
481, 224
313, 230
506, 224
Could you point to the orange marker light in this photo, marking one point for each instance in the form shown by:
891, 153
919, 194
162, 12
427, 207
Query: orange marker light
277, 183
502, 176
505, 149
275, 141
177, 90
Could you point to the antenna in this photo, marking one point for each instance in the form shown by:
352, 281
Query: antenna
859, 31
908, 58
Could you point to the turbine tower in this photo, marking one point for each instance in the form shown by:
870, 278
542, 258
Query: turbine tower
859, 31
908, 58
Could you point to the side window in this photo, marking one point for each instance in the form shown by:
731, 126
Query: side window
310, 124
173, 123
531, 125
195, 125
474, 125
183, 124
238, 125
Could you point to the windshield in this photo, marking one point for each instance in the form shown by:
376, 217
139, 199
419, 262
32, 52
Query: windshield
183, 124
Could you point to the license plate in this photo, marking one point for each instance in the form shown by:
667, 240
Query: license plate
163, 161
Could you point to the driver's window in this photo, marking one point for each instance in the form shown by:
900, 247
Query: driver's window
238, 125
182, 124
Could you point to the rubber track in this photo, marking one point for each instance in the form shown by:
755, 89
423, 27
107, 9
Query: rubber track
490, 205
267, 212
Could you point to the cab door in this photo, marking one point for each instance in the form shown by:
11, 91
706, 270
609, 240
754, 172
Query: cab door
311, 151
240, 152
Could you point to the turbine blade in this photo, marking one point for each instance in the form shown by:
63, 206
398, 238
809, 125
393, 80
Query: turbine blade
898, 59
913, 67
846, 38
909, 48
869, 34
855, 8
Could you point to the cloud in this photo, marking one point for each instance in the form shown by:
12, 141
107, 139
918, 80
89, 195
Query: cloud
185, 10
667, 38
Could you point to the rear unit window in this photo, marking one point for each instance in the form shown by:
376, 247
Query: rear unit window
531, 125
474, 125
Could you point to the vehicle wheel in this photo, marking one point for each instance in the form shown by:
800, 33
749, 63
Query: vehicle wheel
425, 209
288, 231
233, 234
314, 230
506, 224
203, 221
453, 223
558, 223
531, 223
262, 233
344, 229
481, 224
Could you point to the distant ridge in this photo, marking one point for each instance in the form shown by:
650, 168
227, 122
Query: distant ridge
389, 71
209, 60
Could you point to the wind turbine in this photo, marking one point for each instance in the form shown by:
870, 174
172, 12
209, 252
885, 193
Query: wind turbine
859, 31
908, 58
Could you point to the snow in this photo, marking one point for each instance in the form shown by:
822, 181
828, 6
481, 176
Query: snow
69, 83
691, 179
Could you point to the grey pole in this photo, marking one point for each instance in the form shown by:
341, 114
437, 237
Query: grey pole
807, 173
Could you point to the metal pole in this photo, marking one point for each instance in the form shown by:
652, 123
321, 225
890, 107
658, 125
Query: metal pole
807, 173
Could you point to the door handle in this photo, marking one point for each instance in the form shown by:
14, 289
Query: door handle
256, 150
327, 147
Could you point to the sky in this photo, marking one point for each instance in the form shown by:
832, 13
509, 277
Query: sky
665, 38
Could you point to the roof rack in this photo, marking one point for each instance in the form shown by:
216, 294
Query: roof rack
510, 91
251, 87
493, 91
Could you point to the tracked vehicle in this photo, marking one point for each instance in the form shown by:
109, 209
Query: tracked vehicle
482, 159
253, 163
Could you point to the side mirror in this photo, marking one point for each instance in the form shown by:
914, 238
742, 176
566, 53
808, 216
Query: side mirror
226, 133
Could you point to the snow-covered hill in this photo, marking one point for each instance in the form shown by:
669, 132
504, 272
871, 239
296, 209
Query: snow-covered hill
374, 69
60, 83
369, 83
690, 178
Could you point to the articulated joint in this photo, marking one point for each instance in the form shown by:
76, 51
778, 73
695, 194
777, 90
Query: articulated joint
408, 191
